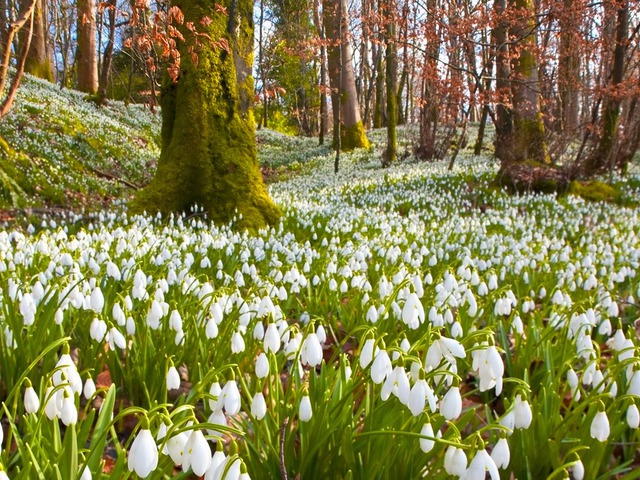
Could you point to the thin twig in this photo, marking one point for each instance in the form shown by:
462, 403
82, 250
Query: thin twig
283, 430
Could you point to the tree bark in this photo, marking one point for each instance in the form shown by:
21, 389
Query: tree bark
391, 81
86, 57
529, 133
429, 111
105, 68
569, 66
342, 78
209, 155
38, 62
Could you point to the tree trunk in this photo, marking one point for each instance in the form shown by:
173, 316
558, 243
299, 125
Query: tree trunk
429, 112
569, 66
603, 156
529, 133
209, 155
342, 77
105, 68
38, 61
86, 58
391, 80
504, 116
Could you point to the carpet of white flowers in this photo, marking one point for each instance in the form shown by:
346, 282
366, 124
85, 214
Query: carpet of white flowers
401, 323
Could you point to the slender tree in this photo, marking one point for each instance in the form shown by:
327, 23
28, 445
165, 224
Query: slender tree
38, 61
86, 55
342, 78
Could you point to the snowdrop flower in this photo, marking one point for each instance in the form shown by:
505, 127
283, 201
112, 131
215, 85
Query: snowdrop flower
367, 353
501, 454
455, 461
116, 339
311, 353
143, 455
229, 398
578, 470
66, 372
218, 460
398, 384
31, 400
89, 388
633, 416
262, 365
237, 342
53, 403
98, 330
451, 404
28, 309
258, 406
68, 412
600, 426
448, 348
96, 302
522, 413
175, 446
490, 367
271, 339
304, 411
197, 453
426, 444
173, 378
381, 367
480, 465
572, 380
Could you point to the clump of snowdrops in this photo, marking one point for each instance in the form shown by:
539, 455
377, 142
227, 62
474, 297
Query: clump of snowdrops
387, 327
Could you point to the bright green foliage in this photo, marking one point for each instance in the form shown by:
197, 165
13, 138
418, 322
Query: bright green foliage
209, 153
595, 191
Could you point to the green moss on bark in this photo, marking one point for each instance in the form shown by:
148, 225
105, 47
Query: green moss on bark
530, 142
594, 191
353, 137
209, 155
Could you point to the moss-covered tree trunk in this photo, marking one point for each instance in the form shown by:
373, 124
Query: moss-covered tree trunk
209, 155
86, 58
529, 141
38, 62
342, 76
504, 117
429, 111
569, 65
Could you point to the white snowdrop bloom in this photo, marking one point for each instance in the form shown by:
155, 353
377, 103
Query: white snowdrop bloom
451, 404
304, 410
600, 427
116, 339
173, 378
522, 413
154, 315
89, 388
28, 309
381, 367
501, 454
633, 416
143, 455
558, 298
68, 412
426, 444
572, 380
488, 363
398, 384
211, 329
197, 453
175, 321
258, 406
578, 470
237, 342
413, 312
367, 353
605, 327
271, 339
131, 326
613, 310
311, 352
31, 400
65, 367
217, 461
448, 348
229, 398
216, 418
418, 397
455, 461
258, 331
113, 271
118, 314
53, 403
262, 365
321, 334
98, 330
96, 301
480, 465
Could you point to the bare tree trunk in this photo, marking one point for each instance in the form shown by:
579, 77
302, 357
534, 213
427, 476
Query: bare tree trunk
391, 79
569, 65
38, 61
324, 108
504, 116
86, 58
429, 109
108, 54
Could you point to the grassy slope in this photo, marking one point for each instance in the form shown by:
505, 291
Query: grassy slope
64, 151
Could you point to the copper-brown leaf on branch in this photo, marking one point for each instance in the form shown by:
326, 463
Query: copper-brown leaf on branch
176, 13
205, 21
